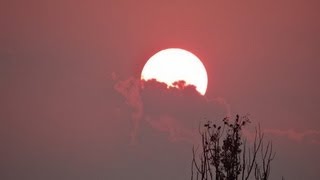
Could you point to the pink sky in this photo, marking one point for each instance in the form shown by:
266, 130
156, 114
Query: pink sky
72, 108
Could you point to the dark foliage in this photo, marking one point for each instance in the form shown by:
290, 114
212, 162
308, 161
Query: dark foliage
224, 154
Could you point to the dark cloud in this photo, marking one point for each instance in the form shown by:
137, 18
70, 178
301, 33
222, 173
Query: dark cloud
176, 110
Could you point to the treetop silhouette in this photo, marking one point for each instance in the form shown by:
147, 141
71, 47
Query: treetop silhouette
225, 155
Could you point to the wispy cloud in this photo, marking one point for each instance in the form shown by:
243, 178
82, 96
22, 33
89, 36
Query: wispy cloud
311, 136
130, 90
306, 136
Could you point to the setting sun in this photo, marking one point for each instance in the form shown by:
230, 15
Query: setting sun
174, 64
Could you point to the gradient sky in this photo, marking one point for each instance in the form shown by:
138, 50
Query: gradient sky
71, 106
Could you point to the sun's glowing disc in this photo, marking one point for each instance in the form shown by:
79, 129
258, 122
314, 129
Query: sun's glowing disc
174, 64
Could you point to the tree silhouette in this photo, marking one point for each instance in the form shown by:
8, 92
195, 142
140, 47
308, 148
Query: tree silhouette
225, 154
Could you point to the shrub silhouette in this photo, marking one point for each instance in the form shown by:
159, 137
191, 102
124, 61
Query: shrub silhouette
224, 154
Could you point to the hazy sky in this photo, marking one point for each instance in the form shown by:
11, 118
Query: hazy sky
71, 106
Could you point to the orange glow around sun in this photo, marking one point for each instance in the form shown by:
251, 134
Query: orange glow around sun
174, 64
